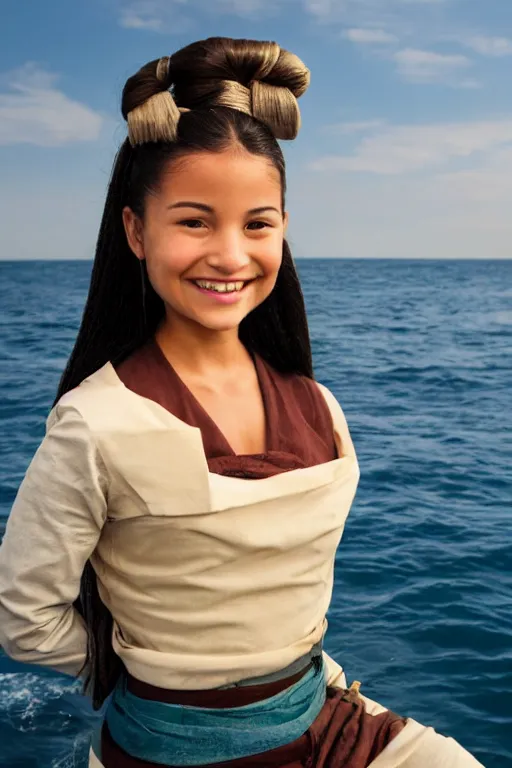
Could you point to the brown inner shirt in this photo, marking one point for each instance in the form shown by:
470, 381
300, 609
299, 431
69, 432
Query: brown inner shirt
300, 431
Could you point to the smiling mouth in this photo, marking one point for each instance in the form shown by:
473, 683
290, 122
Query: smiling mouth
218, 286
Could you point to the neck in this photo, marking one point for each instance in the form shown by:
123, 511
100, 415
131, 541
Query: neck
200, 350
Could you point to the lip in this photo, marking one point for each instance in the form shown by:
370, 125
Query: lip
231, 279
222, 298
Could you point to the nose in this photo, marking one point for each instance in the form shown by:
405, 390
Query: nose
228, 253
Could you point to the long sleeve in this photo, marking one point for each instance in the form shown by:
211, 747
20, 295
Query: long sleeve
53, 528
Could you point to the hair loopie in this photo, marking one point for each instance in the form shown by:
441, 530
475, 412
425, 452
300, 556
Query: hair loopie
153, 114
156, 120
235, 95
276, 107
162, 69
270, 53
256, 77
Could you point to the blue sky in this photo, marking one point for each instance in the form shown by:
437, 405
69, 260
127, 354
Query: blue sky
406, 144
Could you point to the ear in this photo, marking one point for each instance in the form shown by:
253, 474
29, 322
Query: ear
133, 229
286, 219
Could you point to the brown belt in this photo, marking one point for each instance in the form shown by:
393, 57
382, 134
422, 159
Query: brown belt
216, 698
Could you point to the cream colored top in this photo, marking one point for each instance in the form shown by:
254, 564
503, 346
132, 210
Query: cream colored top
210, 579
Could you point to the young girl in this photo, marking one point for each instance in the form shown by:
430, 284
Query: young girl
173, 540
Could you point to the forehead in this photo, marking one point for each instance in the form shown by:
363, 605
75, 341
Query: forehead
233, 174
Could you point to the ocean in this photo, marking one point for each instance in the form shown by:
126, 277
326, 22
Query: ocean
419, 353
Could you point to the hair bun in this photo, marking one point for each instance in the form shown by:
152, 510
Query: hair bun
148, 106
256, 77
288, 71
275, 90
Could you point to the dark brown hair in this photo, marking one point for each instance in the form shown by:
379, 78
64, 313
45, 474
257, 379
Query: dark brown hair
228, 91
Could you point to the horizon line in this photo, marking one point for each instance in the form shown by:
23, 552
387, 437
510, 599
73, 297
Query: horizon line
296, 258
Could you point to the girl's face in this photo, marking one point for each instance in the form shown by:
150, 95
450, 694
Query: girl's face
212, 237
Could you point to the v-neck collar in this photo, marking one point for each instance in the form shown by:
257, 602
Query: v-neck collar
169, 371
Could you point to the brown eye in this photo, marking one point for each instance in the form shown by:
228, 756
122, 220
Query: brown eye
191, 223
259, 224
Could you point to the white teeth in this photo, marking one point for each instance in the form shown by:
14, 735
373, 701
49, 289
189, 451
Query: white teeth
220, 287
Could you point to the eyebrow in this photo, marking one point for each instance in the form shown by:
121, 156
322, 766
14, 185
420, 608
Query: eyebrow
209, 209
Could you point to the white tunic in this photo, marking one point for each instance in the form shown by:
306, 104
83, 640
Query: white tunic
210, 579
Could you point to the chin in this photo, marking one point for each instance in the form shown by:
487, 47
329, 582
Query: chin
219, 323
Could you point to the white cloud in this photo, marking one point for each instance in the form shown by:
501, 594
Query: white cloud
246, 8
324, 8
178, 16
163, 16
490, 46
132, 20
406, 149
369, 36
34, 111
368, 10
456, 214
417, 66
468, 82
169, 16
361, 126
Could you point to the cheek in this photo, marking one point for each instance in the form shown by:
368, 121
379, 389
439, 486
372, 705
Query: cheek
269, 261
170, 253
271, 255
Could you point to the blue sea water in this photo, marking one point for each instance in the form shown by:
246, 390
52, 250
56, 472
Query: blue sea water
419, 353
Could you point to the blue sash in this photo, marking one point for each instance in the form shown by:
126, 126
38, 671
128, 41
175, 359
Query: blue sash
172, 734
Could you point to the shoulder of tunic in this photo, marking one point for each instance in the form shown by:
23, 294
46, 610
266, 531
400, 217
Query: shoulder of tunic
107, 405
341, 429
93, 393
